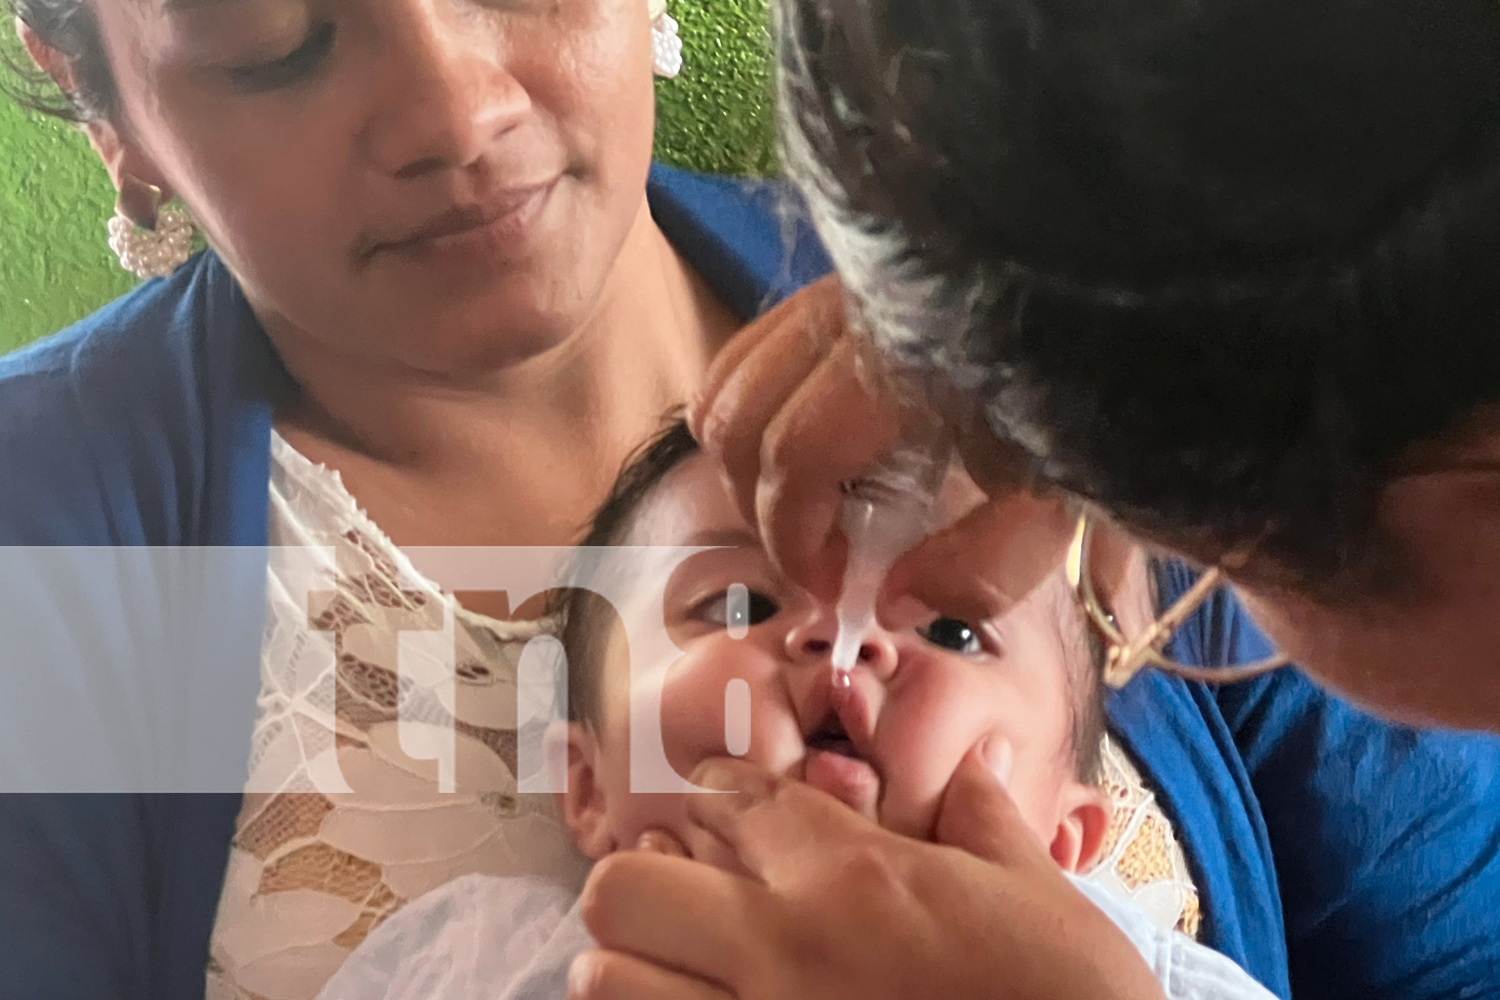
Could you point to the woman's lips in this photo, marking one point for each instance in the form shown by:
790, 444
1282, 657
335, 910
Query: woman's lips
499, 227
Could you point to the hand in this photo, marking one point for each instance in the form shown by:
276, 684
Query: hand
791, 411
838, 908
794, 407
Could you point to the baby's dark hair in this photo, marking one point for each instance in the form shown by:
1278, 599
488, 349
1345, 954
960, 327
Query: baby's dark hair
588, 619
1085, 651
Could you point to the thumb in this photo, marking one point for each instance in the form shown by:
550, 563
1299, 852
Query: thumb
987, 562
779, 828
978, 815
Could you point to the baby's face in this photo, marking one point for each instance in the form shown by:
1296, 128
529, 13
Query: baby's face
919, 698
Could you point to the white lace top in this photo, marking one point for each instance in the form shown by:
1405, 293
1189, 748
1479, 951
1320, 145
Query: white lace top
311, 873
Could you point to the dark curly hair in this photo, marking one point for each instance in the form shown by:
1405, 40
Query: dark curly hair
1212, 263
70, 28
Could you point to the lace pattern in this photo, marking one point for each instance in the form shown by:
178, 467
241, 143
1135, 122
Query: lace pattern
1142, 860
311, 873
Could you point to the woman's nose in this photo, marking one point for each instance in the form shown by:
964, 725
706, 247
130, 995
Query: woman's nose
812, 643
449, 95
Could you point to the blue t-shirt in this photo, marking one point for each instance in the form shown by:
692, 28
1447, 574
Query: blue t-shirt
1337, 856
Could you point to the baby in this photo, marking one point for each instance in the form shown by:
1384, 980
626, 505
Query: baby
918, 699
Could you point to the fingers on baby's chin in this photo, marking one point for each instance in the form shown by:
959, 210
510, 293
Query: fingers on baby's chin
715, 853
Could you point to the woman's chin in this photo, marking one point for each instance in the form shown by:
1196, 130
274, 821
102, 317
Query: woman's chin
468, 342
505, 323
1423, 702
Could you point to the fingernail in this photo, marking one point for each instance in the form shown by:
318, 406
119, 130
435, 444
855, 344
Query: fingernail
655, 842
749, 783
581, 976
716, 776
1000, 758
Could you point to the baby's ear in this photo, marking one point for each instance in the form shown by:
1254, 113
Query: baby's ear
1079, 839
585, 808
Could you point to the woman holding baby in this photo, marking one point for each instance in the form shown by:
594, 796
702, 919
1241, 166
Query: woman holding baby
446, 294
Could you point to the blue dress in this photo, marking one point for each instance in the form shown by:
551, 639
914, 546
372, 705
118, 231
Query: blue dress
1336, 855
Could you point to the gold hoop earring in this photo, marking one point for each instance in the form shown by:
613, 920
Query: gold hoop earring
149, 240
1127, 657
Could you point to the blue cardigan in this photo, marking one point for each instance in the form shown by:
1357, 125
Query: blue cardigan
1337, 856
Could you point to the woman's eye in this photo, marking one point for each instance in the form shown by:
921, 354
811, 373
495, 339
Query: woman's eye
738, 608
289, 69
950, 633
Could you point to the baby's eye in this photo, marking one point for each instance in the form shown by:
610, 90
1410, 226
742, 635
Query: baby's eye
950, 633
739, 608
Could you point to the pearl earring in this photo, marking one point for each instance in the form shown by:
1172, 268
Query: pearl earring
150, 241
666, 45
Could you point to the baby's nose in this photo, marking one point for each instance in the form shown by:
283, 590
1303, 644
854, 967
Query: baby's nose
812, 643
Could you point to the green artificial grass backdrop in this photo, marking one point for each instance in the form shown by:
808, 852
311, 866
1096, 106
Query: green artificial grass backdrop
54, 197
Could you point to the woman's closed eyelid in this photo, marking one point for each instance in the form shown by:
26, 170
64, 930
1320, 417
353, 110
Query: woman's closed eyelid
294, 67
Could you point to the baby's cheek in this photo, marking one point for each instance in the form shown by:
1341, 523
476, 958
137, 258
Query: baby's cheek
924, 732
729, 704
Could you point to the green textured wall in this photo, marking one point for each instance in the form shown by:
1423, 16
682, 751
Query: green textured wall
54, 198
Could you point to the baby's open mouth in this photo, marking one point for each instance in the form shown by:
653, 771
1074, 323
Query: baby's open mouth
831, 738
835, 765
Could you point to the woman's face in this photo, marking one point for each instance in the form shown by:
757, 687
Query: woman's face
1426, 652
400, 177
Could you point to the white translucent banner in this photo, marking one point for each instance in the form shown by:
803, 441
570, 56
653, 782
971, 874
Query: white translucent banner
162, 670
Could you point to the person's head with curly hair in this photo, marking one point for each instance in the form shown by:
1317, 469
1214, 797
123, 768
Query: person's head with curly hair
1225, 268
